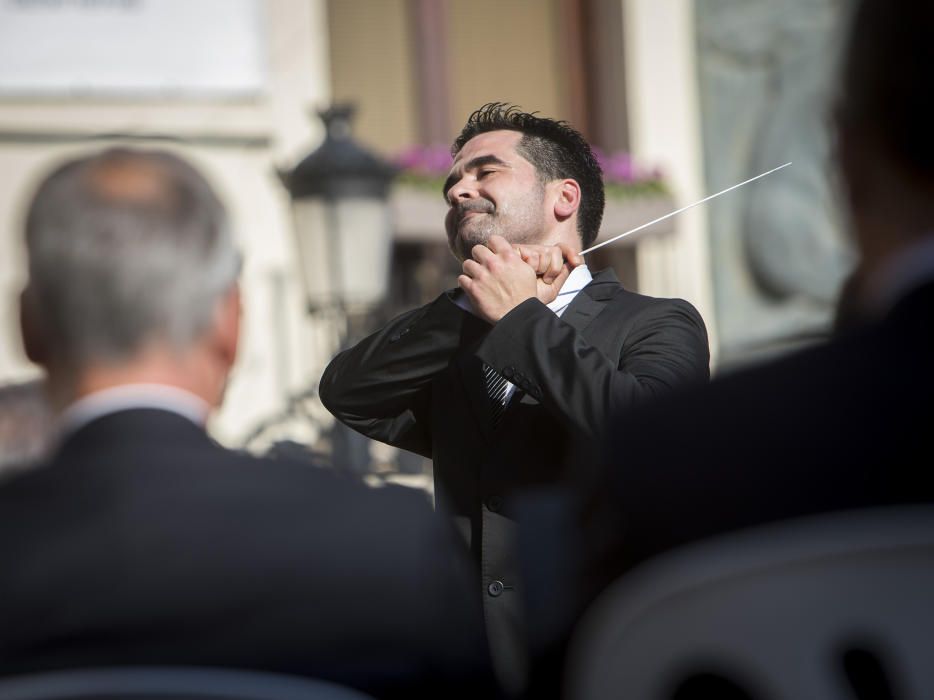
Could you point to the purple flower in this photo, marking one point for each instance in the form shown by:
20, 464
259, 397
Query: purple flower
409, 158
434, 162
620, 168
425, 160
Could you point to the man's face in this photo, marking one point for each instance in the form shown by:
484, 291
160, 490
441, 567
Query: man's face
492, 190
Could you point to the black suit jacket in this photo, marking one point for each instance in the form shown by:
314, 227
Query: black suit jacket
418, 384
145, 542
846, 425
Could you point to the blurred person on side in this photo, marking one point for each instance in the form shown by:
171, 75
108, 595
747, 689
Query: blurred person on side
841, 426
142, 541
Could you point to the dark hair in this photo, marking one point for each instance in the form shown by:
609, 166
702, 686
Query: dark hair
885, 85
554, 148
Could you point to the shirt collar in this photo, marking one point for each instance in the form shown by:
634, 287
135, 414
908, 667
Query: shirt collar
579, 278
132, 396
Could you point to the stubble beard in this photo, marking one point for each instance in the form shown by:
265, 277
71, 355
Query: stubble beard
522, 223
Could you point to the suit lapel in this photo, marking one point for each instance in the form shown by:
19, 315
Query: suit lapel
591, 300
581, 312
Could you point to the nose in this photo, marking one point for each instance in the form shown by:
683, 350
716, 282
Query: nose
460, 191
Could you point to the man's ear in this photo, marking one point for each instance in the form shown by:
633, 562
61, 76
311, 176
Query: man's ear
227, 326
33, 340
567, 198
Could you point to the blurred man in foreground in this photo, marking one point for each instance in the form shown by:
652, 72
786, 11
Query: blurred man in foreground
846, 425
142, 541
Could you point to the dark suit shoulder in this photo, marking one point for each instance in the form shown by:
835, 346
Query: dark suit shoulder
838, 426
149, 459
643, 303
606, 287
318, 573
842, 418
762, 396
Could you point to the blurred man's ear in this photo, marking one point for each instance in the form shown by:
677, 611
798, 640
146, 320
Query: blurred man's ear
216, 348
33, 341
227, 326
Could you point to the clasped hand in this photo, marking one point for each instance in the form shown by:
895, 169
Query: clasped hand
500, 276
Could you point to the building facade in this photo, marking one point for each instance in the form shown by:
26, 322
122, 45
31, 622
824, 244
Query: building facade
233, 85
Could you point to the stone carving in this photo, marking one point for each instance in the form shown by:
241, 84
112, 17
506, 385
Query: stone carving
767, 79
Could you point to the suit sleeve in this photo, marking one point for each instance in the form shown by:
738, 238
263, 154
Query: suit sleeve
665, 347
381, 387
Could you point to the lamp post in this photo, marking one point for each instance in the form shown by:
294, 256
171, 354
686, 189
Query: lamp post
342, 224
340, 208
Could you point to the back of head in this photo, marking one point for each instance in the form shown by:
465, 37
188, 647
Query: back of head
125, 247
555, 149
885, 98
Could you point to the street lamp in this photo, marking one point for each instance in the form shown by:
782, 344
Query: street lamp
341, 216
342, 224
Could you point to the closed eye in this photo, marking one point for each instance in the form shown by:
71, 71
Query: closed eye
479, 165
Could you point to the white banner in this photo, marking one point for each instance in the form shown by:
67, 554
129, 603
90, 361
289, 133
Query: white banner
127, 47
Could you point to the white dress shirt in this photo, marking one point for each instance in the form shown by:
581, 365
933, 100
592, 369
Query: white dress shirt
129, 396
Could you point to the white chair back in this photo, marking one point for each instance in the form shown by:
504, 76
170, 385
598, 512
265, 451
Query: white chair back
834, 607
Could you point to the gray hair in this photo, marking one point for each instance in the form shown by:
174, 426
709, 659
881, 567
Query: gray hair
125, 246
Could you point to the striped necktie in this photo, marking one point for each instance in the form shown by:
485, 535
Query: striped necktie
496, 387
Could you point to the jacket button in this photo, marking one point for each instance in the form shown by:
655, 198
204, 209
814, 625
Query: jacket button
494, 503
495, 589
